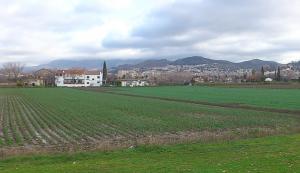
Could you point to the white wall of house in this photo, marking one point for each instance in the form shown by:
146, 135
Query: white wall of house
59, 81
80, 80
93, 80
123, 83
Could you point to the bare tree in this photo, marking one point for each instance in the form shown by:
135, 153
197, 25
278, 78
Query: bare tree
174, 78
13, 70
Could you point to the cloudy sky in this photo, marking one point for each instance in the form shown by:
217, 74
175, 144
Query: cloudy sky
38, 31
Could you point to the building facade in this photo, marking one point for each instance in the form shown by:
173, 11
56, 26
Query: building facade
134, 83
78, 78
45, 76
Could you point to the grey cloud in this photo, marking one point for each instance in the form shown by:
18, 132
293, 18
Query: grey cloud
216, 18
154, 43
38, 16
6, 52
213, 15
232, 29
85, 49
90, 6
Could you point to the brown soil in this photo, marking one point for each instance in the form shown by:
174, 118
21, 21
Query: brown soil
157, 139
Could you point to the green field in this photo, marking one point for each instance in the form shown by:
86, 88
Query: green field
271, 154
45, 120
262, 97
68, 116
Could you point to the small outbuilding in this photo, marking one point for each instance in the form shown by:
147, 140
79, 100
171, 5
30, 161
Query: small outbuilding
268, 79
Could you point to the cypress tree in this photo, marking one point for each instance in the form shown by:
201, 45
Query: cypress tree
278, 74
104, 72
253, 75
262, 73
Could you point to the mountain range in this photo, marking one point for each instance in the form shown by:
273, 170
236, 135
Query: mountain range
86, 63
199, 60
144, 63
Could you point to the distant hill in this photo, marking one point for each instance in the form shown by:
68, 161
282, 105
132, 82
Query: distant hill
199, 60
254, 64
87, 63
144, 64
147, 64
196, 60
257, 64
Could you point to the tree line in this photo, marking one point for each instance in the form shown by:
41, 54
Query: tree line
277, 75
13, 70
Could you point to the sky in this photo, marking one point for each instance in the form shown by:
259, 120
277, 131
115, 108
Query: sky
39, 31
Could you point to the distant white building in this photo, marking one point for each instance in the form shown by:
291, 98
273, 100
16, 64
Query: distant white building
268, 79
128, 74
78, 78
134, 83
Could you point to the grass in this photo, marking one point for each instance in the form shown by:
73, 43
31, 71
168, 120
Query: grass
46, 116
261, 97
270, 154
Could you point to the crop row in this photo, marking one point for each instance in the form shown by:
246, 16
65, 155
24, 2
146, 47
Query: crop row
26, 122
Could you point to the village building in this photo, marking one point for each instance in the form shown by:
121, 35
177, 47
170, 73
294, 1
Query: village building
268, 79
78, 78
45, 77
134, 83
128, 74
33, 82
42, 77
199, 79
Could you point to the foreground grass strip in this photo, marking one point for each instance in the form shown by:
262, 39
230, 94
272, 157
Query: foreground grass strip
270, 154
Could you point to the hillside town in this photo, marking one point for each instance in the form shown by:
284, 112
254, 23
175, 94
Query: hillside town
149, 75
200, 74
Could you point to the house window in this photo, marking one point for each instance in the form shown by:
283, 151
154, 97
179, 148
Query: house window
93, 79
69, 81
88, 83
98, 77
80, 81
98, 82
88, 77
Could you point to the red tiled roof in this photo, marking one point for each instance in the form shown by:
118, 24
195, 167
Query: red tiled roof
71, 72
93, 72
78, 72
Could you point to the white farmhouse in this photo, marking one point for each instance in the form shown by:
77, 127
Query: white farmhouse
78, 78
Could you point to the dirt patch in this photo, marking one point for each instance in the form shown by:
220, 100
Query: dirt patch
157, 139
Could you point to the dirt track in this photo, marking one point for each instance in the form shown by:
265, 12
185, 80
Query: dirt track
234, 106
